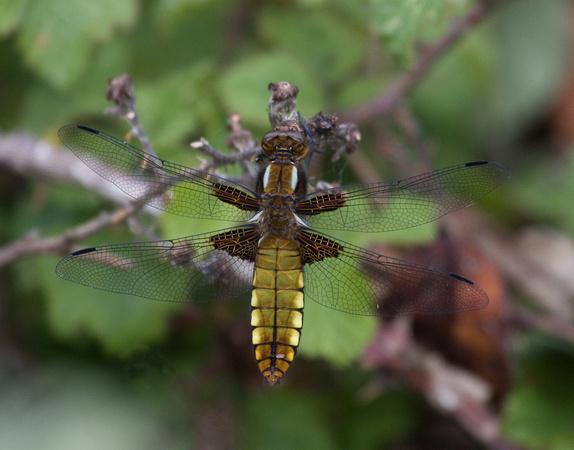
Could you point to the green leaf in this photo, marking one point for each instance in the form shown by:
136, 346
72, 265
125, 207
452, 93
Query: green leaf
451, 99
285, 420
543, 191
362, 89
87, 96
488, 89
397, 408
243, 87
11, 17
338, 337
172, 35
175, 10
538, 413
117, 322
320, 39
402, 23
58, 36
174, 105
530, 65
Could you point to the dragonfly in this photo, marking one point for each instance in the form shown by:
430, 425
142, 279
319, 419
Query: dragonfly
278, 250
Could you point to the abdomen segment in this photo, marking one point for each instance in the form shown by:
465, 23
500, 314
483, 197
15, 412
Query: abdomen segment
276, 306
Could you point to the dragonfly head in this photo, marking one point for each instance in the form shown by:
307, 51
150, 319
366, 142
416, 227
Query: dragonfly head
289, 138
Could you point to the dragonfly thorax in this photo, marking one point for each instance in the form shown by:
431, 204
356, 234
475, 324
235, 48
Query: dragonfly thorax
277, 215
280, 184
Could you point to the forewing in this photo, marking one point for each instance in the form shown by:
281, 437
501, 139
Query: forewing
191, 269
162, 184
361, 282
406, 203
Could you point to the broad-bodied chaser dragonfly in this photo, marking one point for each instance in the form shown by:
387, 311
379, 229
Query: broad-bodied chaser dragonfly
276, 252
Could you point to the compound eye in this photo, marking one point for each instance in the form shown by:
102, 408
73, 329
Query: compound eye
300, 148
268, 142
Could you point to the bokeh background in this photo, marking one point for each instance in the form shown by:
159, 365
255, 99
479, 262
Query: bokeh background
449, 81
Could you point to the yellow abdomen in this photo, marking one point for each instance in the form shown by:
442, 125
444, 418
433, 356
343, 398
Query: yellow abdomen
276, 306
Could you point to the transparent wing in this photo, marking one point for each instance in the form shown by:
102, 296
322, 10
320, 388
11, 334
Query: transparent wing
361, 282
159, 183
189, 269
406, 203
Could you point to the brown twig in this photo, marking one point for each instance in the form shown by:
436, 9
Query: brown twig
121, 91
282, 102
35, 158
551, 325
219, 159
32, 243
240, 141
452, 390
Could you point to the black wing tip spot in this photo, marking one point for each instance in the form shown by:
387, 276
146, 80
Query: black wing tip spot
459, 278
83, 251
88, 129
500, 167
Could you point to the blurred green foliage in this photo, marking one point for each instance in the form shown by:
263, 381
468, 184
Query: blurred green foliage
539, 411
193, 63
